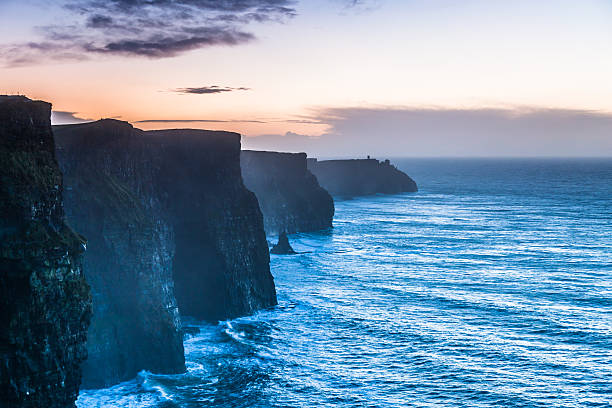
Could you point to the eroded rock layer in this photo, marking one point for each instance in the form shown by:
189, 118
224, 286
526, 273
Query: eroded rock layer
45, 305
289, 195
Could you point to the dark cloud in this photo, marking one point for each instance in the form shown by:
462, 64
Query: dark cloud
204, 90
149, 28
164, 47
65, 118
451, 132
99, 21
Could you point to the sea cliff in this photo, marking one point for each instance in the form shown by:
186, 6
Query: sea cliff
359, 177
222, 264
45, 304
136, 324
188, 184
289, 195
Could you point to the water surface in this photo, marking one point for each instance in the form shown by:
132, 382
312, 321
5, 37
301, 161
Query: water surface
490, 287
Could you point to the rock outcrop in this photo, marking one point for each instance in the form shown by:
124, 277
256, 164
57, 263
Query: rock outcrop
359, 177
188, 183
289, 195
136, 324
45, 305
283, 247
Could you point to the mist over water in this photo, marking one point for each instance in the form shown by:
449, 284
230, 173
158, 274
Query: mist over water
491, 286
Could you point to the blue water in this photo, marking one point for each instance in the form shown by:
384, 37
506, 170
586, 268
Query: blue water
491, 287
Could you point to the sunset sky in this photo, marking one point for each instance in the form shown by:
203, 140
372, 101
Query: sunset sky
312, 68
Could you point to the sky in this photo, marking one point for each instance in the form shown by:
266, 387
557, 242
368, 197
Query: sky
330, 77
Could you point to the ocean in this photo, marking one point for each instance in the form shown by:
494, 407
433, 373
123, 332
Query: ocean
490, 287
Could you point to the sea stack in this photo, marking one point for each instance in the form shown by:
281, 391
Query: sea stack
45, 305
283, 247
358, 177
289, 195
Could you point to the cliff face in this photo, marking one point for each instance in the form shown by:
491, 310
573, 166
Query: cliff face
136, 324
188, 183
360, 177
45, 304
222, 264
289, 195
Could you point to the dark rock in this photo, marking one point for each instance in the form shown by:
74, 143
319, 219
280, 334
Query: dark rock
45, 305
189, 183
222, 264
289, 195
136, 324
359, 177
283, 247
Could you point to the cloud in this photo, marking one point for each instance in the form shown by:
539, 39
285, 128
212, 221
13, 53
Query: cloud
302, 121
147, 28
209, 90
169, 46
289, 142
65, 118
390, 131
100, 21
360, 6
197, 121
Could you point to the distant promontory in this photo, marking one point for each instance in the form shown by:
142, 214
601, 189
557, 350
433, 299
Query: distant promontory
358, 177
